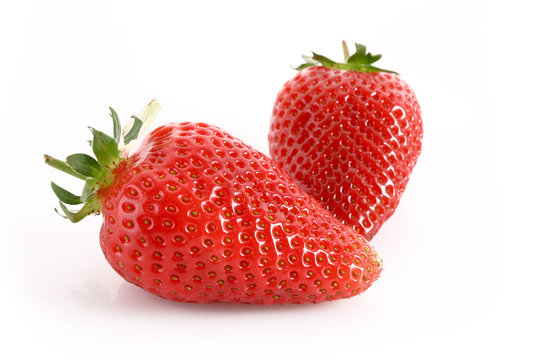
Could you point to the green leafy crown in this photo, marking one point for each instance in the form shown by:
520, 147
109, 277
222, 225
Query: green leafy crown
360, 61
97, 172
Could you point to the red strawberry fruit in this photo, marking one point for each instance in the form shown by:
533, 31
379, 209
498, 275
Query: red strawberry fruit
349, 134
196, 215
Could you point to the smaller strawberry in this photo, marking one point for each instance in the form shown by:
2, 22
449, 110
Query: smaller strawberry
349, 134
196, 215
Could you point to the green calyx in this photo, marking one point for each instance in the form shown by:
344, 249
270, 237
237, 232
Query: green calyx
360, 61
98, 172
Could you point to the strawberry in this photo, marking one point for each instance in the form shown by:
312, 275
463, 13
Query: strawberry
349, 134
196, 215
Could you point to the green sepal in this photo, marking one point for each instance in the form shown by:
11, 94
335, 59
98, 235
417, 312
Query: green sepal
84, 165
134, 131
86, 192
62, 166
360, 61
361, 57
323, 60
308, 62
91, 206
65, 196
105, 148
117, 128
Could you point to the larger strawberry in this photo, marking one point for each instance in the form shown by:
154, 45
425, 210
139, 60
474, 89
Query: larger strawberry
196, 215
349, 134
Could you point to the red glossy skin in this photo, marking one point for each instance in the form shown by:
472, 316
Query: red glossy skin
349, 139
198, 216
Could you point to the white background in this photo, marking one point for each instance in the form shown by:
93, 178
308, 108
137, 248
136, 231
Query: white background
460, 254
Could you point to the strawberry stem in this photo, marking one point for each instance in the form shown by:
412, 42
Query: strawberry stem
346, 54
137, 125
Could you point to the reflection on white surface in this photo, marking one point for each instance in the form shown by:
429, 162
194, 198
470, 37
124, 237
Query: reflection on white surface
127, 298
92, 295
